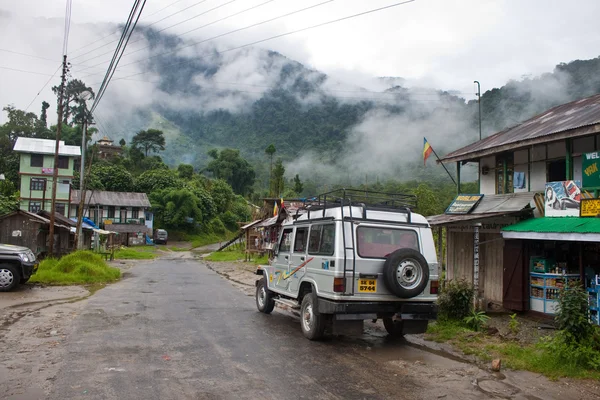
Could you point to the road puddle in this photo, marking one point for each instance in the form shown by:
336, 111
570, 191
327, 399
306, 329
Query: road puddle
401, 350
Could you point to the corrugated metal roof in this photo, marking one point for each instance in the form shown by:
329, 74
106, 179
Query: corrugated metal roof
544, 127
494, 205
37, 218
504, 202
556, 225
45, 146
251, 224
103, 198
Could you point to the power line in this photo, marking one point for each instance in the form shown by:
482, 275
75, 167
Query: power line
119, 29
22, 70
161, 30
43, 87
153, 23
229, 33
121, 46
67, 26
269, 38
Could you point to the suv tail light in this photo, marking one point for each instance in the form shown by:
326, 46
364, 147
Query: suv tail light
338, 285
433, 287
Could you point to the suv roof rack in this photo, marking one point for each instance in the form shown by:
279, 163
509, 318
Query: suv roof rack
367, 199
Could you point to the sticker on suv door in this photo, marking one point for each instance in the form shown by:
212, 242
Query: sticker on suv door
367, 285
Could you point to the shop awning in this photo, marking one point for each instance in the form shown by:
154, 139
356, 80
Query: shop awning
250, 225
566, 228
490, 206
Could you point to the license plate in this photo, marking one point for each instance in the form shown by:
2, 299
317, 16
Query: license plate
367, 285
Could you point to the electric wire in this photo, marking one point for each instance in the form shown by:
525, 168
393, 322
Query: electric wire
268, 38
43, 87
161, 30
153, 23
229, 33
127, 32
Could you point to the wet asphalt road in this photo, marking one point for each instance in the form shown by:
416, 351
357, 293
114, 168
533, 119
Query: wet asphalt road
172, 329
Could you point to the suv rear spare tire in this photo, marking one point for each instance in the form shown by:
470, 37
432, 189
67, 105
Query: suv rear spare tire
406, 273
9, 277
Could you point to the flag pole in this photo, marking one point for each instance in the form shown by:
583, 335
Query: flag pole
436, 156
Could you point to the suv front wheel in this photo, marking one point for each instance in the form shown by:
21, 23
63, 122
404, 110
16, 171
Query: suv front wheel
9, 277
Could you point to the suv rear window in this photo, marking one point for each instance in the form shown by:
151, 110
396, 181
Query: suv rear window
379, 242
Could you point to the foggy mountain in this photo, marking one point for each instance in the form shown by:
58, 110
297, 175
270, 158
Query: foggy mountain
323, 128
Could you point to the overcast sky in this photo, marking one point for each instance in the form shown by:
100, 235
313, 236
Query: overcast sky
443, 44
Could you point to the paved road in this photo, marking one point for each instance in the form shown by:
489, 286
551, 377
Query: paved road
173, 329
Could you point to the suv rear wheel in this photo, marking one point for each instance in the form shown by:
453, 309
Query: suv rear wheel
9, 277
311, 321
394, 327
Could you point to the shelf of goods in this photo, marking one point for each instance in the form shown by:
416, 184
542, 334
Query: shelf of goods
594, 295
545, 288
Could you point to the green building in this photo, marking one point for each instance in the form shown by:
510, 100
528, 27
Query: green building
36, 171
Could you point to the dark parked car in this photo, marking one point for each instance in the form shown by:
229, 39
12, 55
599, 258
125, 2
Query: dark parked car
161, 236
17, 264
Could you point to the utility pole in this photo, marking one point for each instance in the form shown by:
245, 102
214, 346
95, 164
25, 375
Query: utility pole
56, 150
479, 101
79, 230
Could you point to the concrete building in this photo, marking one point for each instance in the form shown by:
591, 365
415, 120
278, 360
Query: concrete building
36, 172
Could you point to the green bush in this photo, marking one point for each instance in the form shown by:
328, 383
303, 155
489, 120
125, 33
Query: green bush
572, 315
230, 221
476, 320
217, 226
456, 300
570, 353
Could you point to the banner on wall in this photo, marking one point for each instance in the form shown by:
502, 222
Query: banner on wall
562, 199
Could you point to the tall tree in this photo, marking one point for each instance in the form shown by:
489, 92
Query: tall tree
270, 150
44, 114
186, 171
231, 167
72, 97
277, 180
22, 123
122, 142
150, 140
298, 186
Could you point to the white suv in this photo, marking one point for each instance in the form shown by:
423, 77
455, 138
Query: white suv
354, 256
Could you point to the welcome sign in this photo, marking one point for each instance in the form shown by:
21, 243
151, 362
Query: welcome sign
591, 169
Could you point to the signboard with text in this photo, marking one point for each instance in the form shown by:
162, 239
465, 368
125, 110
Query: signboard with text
562, 199
47, 171
590, 166
464, 203
589, 208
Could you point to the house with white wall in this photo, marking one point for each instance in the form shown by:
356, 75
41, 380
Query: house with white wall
514, 167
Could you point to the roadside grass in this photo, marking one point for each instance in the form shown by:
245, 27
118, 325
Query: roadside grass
231, 255
205, 239
136, 253
80, 267
514, 355
174, 248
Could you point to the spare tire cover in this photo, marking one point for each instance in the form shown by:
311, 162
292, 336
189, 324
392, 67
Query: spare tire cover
406, 273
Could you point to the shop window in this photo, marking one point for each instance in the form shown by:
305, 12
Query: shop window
135, 213
557, 171
63, 162
35, 206
37, 160
37, 184
111, 212
502, 186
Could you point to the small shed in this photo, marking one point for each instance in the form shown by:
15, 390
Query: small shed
23, 228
